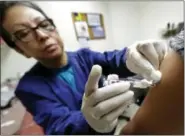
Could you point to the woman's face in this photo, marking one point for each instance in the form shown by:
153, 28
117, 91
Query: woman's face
43, 43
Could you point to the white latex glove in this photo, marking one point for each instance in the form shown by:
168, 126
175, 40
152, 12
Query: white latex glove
101, 107
144, 58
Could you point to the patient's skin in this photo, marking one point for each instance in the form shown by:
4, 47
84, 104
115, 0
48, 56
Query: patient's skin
162, 111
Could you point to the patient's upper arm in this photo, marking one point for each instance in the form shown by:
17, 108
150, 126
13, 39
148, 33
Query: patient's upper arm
162, 111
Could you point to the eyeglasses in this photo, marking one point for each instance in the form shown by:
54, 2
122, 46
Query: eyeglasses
29, 34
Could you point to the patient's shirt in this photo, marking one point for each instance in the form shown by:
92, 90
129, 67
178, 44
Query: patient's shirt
177, 44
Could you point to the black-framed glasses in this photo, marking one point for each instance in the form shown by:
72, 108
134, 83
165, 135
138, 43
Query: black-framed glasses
28, 34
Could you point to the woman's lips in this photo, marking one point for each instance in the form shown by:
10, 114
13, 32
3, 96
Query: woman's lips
50, 48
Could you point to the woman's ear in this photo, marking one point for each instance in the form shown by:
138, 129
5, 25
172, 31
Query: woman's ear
19, 50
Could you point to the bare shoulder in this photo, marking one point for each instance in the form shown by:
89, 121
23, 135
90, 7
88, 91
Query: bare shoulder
162, 111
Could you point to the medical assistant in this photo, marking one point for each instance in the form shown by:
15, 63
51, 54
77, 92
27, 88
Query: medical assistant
54, 96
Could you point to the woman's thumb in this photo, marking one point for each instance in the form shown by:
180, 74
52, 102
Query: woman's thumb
93, 80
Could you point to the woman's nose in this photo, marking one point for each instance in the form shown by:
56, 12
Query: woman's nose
41, 35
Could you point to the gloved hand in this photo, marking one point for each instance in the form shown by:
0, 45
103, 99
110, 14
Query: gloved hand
101, 107
144, 58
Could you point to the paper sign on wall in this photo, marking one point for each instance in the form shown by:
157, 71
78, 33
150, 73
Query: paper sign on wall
93, 20
89, 26
98, 32
82, 29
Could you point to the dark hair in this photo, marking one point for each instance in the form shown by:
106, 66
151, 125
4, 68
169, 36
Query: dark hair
4, 6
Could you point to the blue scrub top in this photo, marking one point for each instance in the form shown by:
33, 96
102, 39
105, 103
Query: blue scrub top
56, 104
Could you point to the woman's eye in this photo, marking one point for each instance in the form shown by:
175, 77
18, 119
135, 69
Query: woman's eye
45, 25
23, 34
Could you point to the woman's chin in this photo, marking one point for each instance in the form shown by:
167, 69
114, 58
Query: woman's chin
56, 55
50, 56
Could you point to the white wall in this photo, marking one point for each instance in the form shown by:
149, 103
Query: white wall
133, 21
12, 63
155, 15
125, 23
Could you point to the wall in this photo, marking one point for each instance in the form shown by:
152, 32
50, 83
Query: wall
12, 63
155, 15
133, 21
125, 23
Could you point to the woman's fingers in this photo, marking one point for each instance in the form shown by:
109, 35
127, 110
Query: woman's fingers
108, 92
109, 105
148, 50
115, 113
